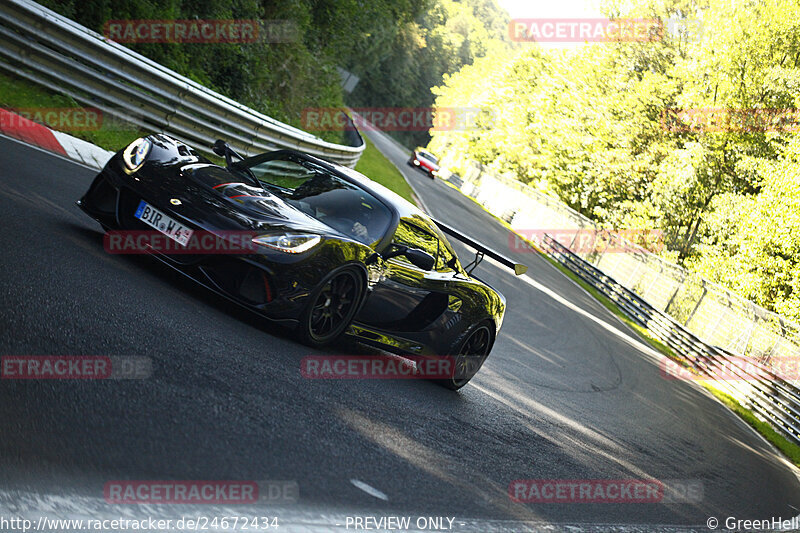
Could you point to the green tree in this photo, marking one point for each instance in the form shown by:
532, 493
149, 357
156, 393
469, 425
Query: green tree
595, 127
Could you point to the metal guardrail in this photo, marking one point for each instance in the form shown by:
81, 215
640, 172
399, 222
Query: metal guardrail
50, 50
746, 379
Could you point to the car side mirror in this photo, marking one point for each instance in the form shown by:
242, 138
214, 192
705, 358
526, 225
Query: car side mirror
418, 258
220, 148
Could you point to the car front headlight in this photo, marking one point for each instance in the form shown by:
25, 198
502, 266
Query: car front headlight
135, 154
290, 243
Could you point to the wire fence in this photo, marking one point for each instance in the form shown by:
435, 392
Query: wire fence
714, 314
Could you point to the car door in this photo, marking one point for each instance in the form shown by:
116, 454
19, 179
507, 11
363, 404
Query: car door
407, 298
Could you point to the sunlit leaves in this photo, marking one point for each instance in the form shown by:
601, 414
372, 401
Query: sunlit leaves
588, 126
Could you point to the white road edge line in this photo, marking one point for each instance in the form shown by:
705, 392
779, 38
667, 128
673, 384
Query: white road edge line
48, 152
652, 351
647, 349
372, 491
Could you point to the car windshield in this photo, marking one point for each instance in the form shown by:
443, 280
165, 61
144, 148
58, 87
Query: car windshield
325, 196
428, 156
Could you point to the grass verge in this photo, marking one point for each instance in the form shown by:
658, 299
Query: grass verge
34, 102
376, 167
788, 448
51, 109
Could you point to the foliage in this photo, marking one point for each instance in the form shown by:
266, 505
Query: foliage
595, 125
449, 35
398, 48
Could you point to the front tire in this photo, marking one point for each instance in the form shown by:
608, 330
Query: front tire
331, 307
468, 355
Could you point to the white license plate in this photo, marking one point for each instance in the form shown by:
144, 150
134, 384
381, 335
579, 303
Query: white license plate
163, 223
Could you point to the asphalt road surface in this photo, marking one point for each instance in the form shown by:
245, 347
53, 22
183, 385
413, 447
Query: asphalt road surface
568, 393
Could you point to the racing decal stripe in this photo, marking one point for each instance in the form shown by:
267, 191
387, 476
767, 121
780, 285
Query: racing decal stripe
28, 131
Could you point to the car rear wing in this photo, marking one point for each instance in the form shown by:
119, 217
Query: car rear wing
481, 250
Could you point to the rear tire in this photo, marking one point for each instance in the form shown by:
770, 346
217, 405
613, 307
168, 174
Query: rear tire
468, 355
331, 307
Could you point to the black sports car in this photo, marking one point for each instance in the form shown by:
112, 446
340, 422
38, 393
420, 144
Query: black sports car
328, 250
